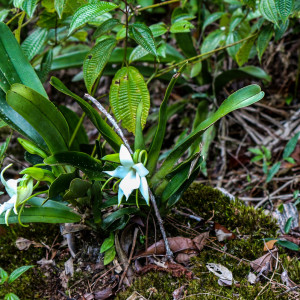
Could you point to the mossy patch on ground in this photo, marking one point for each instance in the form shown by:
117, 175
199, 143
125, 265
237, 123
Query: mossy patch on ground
252, 225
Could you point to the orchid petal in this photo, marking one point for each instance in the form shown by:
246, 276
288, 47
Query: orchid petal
119, 172
24, 192
130, 183
7, 214
141, 170
125, 157
10, 185
7, 205
144, 189
120, 196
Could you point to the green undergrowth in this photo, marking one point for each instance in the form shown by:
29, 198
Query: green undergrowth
32, 283
252, 225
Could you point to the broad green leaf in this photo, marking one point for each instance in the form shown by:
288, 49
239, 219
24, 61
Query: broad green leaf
107, 132
238, 74
70, 60
127, 90
49, 212
143, 36
212, 41
45, 66
18, 3
109, 220
96, 60
29, 6
78, 189
279, 31
272, 172
105, 27
3, 276
88, 12
59, 7
263, 40
284, 8
268, 10
137, 53
41, 114
60, 184
233, 37
84, 162
34, 43
3, 14
108, 243
212, 18
109, 255
17, 273
73, 122
196, 69
242, 55
255, 151
158, 29
155, 147
181, 26
241, 98
39, 174
18, 123
185, 42
11, 296
291, 145
14, 65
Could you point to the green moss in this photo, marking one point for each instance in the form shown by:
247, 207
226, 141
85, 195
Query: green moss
252, 224
29, 285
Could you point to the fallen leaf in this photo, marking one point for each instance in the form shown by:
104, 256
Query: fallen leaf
258, 264
251, 278
177, 244
223, 234
175, 270
45, 262
88, 296
24, 244
136, 296
225, 276
200, 240
69, 267
104, 294
178, 293
184, 258
70, 228
269, 245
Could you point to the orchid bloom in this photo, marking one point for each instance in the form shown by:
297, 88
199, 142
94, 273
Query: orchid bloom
133, 176
17, 193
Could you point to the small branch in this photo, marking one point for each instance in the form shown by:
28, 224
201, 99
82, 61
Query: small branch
157, 5
111, 120
169, 253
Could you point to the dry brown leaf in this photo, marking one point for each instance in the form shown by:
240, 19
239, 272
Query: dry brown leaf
201, 240
178, 293
177, 244
184, 258
258, 264
223, 234
24, 244
104, 294
269, 245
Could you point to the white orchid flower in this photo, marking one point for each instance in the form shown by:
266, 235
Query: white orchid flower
133, 176
17, 193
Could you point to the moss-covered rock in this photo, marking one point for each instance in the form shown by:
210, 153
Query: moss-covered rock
253, 225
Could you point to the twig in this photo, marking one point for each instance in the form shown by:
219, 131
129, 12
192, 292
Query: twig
178, 212
169, 253
111, 120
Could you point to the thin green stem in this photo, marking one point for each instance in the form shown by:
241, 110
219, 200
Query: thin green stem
76, 129
157, 5
202, 56
126, 35
13, 18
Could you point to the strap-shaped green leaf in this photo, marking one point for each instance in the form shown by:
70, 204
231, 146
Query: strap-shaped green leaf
241, 98
13, 63
126, 91
34, 42
110, 136
284, 8
17, 273
18, 123
143, 36
89, 12
157, 141
84, 162
50, 212
96, 60
263, 40
41, 114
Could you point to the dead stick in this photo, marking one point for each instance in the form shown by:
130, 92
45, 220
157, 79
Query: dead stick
169, 253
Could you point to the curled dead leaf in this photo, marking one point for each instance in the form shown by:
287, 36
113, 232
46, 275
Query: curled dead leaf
24, 244
260, 263
269, 245
223, 234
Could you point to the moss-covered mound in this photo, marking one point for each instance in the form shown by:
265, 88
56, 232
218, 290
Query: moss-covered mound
252, 225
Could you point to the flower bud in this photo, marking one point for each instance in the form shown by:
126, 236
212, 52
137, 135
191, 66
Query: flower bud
39, 174
32, 148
